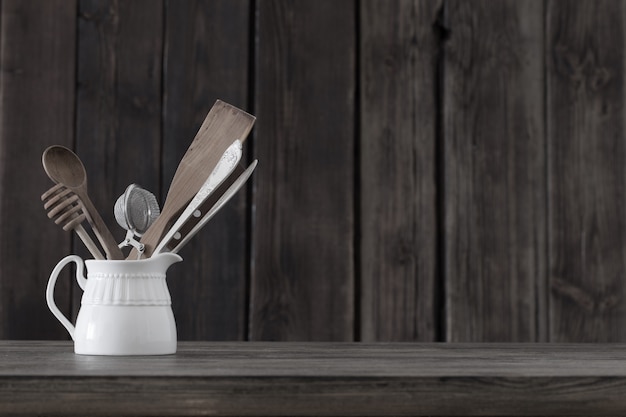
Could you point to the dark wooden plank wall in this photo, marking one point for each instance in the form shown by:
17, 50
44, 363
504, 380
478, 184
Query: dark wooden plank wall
303, 247
433, 170
118, 109
586, 148
494, 171
207, 57
37, 95
398, 229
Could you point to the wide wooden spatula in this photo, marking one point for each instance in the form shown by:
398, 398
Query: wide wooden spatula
223, 125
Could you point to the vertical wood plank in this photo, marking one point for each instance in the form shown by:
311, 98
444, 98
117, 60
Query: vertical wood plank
587, 229
36, 110
119, 100
397, 168
206, 58
303, 267
494, 169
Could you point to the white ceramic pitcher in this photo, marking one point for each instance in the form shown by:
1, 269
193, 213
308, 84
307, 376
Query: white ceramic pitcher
125, 308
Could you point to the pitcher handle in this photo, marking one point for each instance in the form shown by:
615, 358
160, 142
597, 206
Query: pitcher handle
80, 266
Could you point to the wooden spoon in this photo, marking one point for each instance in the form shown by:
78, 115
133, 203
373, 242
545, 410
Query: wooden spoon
64, 167
223, 125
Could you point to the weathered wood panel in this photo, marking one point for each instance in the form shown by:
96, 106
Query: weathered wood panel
317, 379
398, 115
206, 58
118, 111
429, 131
36, 110
303, 266
495, 208
587, 150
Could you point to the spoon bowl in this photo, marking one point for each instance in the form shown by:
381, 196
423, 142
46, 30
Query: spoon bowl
64, 166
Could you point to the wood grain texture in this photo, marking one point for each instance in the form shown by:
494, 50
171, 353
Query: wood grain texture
118, 112
585, 58
262, 378
526, 101
206, 58
397, 170
119, 98
494, 152
36, 110
303, 266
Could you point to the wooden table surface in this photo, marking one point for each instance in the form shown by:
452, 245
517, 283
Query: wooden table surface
262, 378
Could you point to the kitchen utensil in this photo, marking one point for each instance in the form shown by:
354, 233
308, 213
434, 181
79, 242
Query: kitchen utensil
69, 214
125, 308
224, 124
191, 228
64, 167
135, 211
222, 170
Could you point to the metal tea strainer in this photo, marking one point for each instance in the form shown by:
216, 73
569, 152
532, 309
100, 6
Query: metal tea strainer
135, 211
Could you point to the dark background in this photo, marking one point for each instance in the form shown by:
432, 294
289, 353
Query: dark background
428, 170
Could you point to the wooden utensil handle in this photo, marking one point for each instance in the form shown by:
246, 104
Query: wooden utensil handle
89, 243
100, 229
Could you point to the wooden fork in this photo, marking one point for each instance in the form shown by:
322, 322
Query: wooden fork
68, 211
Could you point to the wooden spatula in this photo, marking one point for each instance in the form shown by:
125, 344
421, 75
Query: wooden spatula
223, 125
